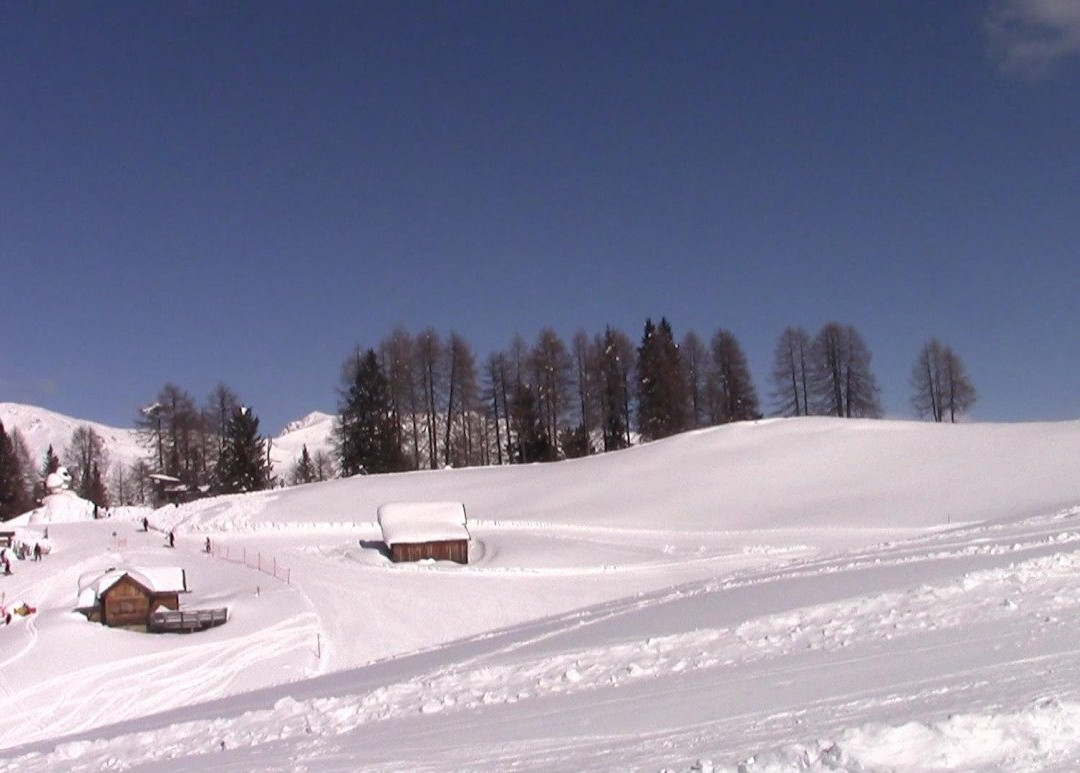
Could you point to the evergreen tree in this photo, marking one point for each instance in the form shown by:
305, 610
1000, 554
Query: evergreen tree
533, 443
14, 499
732, 393
616, 363
50, 463
366, 431
662, 391
304, 469
243, 465
575, 442
96, 492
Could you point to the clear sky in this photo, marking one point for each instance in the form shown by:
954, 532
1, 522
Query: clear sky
202, 191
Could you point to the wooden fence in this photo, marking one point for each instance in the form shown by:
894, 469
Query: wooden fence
187, 620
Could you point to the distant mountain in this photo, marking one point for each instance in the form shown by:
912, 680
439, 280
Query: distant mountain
41, 427
314, 431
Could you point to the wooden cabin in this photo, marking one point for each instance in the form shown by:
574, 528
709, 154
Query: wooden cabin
126, 598
414, 531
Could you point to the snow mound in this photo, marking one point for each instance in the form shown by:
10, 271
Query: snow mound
60, 507
1038, 736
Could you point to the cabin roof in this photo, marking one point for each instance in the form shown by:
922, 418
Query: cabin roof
411, 522
156, 579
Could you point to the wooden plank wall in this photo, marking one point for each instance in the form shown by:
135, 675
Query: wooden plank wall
448, 550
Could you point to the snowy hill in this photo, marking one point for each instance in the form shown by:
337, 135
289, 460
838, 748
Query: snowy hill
42, 427
830, 594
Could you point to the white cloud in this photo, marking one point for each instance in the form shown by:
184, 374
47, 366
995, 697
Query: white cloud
1029, 37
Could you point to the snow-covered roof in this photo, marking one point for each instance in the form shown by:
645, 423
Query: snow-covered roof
156, 579
163, 478
407, 522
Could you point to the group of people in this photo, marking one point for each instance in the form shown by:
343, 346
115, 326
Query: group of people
21, 551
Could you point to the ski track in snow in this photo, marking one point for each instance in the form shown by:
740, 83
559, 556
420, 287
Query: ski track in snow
1038, 589
599, 626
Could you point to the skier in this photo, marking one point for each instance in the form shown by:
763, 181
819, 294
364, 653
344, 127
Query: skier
145, 524
172, 540
207, 544
37, 552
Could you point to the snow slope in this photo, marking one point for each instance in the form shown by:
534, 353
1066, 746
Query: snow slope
42, 428
814, 594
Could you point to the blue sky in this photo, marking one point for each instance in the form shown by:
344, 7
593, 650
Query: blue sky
203, 191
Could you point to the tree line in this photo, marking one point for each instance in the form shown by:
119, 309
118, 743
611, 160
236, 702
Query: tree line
422, 400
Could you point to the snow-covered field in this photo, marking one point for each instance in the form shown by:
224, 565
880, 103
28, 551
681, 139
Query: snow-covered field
815, 593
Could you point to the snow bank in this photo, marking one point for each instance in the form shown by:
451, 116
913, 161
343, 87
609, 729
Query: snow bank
1035, 737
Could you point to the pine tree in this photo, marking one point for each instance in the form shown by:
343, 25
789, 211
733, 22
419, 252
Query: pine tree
304, 469
661, 389
97, 493
49, 464
616, 355
13, 495
732, 393
366, 431
533, 444
243, 465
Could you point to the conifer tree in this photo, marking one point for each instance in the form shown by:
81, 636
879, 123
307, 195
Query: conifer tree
304, 469
50, 463
243, 465
661, 389
97, 493
616, 357
731, 390
533, 444
14, 498
366, 431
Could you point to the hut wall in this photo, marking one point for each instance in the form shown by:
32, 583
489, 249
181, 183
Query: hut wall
446, 550
127, 603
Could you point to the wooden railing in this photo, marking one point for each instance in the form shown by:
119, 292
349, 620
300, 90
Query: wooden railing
186, 621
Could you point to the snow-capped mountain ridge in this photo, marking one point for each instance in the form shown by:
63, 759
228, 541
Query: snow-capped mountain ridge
41, 428
312, 419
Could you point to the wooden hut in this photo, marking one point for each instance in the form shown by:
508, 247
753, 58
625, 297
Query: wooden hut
414, 531
126, 598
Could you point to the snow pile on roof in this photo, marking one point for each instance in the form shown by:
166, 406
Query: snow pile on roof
156, 579
408, 522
